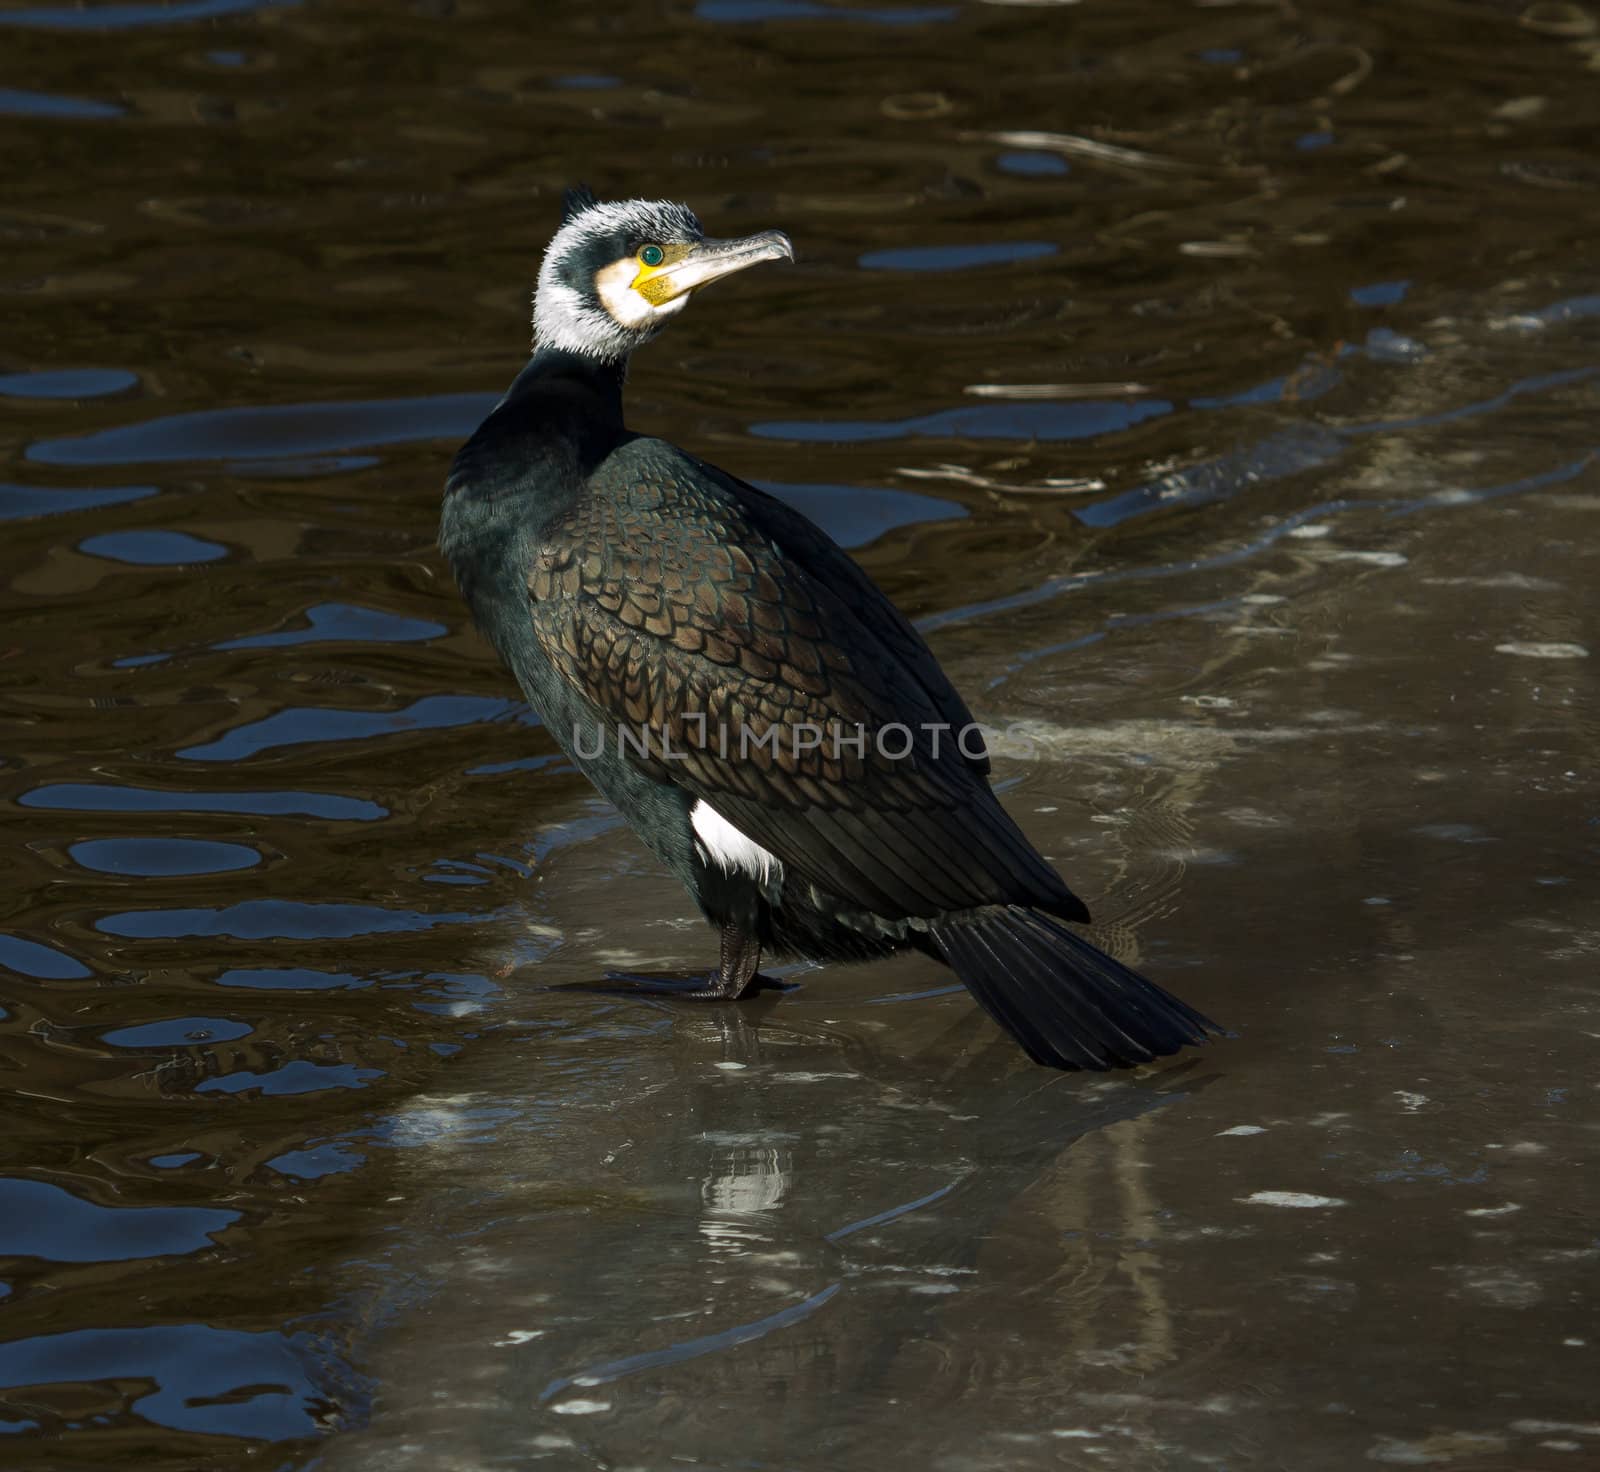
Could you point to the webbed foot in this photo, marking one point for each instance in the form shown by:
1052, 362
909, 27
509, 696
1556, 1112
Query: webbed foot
735, 977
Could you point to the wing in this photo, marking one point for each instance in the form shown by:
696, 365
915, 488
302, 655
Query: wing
763, 679
804, 542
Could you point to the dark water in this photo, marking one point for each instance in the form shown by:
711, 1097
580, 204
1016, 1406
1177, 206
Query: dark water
1219, 385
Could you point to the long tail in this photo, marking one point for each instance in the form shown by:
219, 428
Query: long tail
1068, 1003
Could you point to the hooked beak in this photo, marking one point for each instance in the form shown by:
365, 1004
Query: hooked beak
710, 260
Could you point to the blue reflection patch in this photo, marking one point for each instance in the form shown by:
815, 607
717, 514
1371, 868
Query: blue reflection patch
521, 764
332, 1159
267, 433
273, 919
153, 857
38, 1219
20, 502
856, 515
178, 1032
298, 1077
955, 257
291, 978
33, 958
125, 17
302, 725
1078, 419
1271, 458
104, 797
65, 383
344, 621
50, 105
744, 12
218, 1382
1574, 309
1311, 381
1380, 293
152, 548
1033, 164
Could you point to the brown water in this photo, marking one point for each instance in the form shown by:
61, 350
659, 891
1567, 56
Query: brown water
1219, 385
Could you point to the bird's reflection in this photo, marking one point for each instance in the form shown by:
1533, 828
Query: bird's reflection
746, 1185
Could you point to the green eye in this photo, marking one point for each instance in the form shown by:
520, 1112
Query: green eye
652, 255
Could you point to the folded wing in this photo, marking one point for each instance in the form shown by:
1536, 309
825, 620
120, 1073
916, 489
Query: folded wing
762, 671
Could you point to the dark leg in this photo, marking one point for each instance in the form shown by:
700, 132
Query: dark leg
736, 975
740, 958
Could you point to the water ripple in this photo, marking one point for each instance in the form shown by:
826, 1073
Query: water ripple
129, 17
66, 383
856, 515
955, 257
306, 724
152, 548
51, 105
277, 920
34, 958
292, 978
177, 1032
104, 797
746, 12
264, 433
161, 857
299, 1077
335, 622
18, 503
38, 1219
1078, 420
189, 1377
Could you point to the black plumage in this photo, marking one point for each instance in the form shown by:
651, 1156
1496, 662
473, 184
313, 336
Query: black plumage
773, 727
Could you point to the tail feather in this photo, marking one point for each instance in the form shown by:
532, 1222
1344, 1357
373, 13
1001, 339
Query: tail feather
970, 955
1064, 1000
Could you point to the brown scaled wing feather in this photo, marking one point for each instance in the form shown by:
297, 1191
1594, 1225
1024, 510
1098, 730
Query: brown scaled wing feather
663, 598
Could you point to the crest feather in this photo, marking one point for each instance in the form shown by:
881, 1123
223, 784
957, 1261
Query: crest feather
575, 201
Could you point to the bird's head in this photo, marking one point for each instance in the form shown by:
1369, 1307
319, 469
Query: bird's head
615, 272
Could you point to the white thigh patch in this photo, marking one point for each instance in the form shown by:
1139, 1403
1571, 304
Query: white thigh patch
730, 848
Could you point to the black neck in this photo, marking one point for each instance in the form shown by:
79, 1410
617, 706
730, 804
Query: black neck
549, 367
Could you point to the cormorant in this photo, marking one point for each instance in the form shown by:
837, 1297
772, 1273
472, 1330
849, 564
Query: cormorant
769, 723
